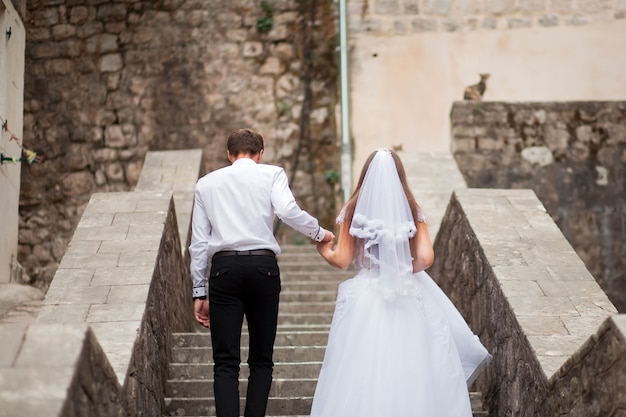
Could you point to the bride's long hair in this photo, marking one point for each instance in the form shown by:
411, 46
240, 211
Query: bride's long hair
351, 204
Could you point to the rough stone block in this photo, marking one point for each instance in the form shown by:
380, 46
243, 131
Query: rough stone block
469, 7
67, 313
533, 6
115, 312
452, 25
122, 275
548, 20
58, 294
111, 63
411, 7
500, 7
63, 31
490, 23
423, 25
436, 7
128, 294
517, 23
387, 7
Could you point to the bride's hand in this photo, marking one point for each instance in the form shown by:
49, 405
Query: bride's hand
324, 248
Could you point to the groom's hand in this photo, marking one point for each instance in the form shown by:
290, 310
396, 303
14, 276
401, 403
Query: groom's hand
201, 312
328, 236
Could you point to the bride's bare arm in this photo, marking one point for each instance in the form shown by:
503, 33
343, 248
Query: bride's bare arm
422, 248
341, 255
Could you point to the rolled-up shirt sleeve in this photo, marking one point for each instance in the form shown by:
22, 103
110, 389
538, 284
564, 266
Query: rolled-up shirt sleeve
288, 211
201, 231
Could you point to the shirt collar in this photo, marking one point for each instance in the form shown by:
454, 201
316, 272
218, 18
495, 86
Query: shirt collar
243, 161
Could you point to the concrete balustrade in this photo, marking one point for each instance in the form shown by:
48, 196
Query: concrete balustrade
557, 342
101, 343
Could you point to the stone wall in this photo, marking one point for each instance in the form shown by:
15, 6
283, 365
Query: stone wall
410, 60
107, 81
573, 155
398, 17
558, 347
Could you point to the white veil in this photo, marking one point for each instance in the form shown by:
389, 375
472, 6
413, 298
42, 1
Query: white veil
383, 220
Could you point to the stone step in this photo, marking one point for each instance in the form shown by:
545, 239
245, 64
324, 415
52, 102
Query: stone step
306, 266
308, 296
295, 249
186, 371
300, 307
311, 286
303, 327
309, 291
278, 406
314, 274
281, 354
281, 387
313, 257
283, 338
297, 319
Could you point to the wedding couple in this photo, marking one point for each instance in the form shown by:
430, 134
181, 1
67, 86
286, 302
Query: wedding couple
397, 345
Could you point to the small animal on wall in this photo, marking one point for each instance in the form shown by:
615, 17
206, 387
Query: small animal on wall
475, 92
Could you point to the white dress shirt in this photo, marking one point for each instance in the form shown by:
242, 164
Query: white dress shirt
234, 209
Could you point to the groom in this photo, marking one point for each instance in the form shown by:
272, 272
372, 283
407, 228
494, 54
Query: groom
233, 215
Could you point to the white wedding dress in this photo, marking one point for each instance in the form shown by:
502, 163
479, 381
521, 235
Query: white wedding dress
397, 346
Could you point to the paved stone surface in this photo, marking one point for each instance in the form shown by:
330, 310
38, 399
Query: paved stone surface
175, 171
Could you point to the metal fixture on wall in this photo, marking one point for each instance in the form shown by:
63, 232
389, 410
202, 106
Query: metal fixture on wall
346, 153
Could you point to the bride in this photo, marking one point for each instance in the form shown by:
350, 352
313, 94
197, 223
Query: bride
397, 345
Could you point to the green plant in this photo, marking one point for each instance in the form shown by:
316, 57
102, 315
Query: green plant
264, 24
332, 176
283, 107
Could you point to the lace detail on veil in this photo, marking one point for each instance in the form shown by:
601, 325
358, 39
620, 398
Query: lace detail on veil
382, 225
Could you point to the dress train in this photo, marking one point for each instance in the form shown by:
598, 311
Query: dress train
406, 355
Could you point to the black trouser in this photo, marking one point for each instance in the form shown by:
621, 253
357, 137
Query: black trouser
243, 285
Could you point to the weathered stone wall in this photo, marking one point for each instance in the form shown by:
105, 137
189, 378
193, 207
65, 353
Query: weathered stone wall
384, 17
573, 155
167, 310
558, 347
106, 81
411, 59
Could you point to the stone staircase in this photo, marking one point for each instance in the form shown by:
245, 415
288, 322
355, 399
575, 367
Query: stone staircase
309, 288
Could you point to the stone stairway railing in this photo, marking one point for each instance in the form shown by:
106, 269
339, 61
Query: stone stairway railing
559, 347
100, 343
122, 290
309, 288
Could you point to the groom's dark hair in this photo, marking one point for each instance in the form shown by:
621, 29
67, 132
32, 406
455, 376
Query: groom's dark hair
244, 141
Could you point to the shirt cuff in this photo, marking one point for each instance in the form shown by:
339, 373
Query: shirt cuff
320, 234
199, 292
